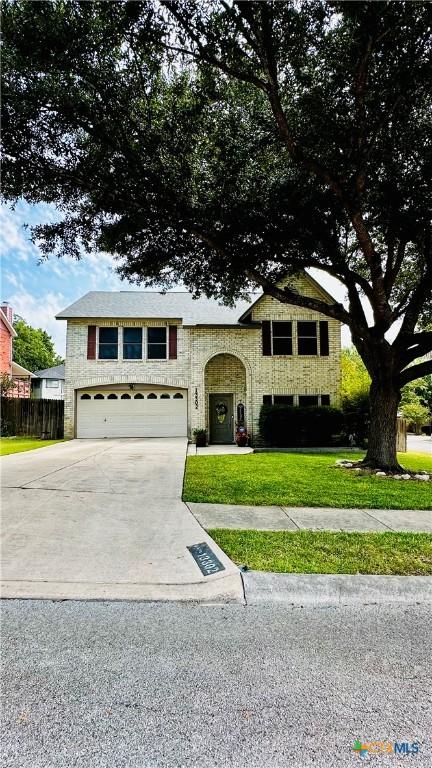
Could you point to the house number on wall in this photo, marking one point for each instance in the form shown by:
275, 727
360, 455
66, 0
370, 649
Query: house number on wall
196, 398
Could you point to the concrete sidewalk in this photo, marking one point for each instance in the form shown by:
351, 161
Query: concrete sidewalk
310, 518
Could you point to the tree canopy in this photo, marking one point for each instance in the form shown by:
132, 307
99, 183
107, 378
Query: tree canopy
225, 145
33, 348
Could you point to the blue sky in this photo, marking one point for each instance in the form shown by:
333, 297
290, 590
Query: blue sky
37, 291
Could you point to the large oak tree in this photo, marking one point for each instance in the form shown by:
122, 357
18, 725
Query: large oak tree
225, 145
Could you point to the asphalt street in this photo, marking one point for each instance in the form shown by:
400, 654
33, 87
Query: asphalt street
153, 685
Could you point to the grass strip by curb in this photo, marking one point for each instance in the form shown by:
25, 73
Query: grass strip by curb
404, 554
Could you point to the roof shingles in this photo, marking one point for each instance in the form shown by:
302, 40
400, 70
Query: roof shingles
152, 305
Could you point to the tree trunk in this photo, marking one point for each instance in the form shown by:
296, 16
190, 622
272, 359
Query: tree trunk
384, 403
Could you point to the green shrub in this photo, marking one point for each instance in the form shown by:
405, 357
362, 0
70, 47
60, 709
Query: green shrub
290, 426
356, 419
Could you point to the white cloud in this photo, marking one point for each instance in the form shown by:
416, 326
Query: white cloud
13, 239
12, 279
40, 311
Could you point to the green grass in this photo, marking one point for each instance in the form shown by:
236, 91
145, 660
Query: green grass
302, 480
19, 444
325, 552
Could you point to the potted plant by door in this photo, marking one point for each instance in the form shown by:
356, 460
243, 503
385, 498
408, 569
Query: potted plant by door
241, 436
200, 436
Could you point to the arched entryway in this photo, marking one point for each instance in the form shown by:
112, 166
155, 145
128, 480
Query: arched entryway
225, 395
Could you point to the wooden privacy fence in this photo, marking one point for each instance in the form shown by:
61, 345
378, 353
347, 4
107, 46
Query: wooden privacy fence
401, 443
36, 418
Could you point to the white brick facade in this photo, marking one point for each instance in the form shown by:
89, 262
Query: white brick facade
240, 369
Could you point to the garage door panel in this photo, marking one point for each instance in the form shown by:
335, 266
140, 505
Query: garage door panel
132, 418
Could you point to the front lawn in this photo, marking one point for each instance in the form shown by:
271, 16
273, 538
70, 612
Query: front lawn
407, 554
302, 480
19, 444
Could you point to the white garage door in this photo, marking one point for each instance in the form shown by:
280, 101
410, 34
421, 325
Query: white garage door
135, 414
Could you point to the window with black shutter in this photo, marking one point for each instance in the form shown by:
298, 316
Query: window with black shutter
307, 343
281, 337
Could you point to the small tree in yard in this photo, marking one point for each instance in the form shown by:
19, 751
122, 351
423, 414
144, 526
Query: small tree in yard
416, 413
355, 386
355, 380
226, 145
33, 348
7, 384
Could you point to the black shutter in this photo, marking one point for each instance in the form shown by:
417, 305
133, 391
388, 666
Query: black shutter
266, 337
267, 399
324, 338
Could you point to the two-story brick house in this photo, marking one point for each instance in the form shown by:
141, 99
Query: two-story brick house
146, 364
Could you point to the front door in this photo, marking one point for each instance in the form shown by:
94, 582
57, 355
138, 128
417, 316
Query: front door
221, 419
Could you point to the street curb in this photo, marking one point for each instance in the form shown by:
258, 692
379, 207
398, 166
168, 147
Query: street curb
301, 589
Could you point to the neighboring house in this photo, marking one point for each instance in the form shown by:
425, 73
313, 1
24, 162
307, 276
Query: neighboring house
49, 384
146, 364
21, 376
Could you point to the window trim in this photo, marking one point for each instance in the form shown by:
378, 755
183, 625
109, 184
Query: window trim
156, 359
143, 345
119, 344
273, 354
144, 349
279, 394
296, 397
309, 405
302, 354
52, 383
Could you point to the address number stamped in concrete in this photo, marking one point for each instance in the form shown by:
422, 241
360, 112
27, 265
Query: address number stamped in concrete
206, 560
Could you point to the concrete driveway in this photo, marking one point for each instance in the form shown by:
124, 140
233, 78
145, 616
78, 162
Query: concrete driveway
419, 444
103, 519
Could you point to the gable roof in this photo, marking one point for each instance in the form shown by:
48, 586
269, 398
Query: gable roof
173, 305
19, 370
152, 305
318, 287
8, 325
56, 372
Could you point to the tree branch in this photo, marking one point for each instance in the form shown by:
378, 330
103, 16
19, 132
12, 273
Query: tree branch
415, 372
288, 296
204, 53
419, 345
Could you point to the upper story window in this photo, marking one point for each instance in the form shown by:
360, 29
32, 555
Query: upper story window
156, 343
307, 341
132, 343
108, 344
281, 338
53, 383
